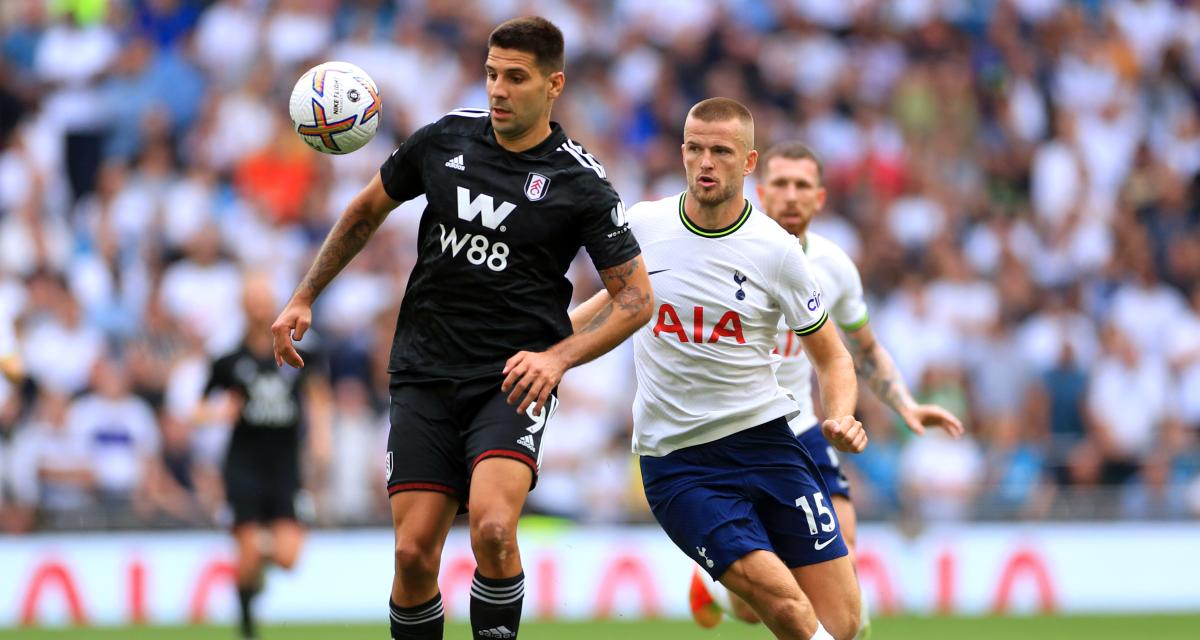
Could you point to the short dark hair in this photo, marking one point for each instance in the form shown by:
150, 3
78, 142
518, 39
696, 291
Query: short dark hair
721, 109
793, 150
532, 34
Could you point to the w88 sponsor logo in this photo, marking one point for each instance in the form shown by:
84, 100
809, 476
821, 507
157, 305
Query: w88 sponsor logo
479, 250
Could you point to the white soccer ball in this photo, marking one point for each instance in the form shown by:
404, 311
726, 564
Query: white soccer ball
335, 107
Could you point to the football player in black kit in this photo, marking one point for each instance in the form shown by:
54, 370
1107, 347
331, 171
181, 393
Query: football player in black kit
271, 421
483, 327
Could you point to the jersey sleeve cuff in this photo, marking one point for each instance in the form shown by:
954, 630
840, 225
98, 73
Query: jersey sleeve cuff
855, 326
814, 327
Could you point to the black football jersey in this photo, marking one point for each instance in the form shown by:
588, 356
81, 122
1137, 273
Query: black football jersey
495, 241
269, 422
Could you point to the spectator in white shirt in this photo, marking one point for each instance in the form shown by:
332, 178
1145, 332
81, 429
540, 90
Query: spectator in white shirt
1126, 405
59, 459
203, 291
58, 346
120, 434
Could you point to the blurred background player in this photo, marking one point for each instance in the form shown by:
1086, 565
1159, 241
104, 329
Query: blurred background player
721, 469
489, 283
275, 413
791, 192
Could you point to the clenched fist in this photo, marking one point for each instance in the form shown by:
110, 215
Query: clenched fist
845, 433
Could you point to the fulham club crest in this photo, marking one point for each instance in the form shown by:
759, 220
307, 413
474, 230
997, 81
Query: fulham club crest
535, 186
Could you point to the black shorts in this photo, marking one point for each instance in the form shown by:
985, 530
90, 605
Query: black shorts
257, 492
441, 430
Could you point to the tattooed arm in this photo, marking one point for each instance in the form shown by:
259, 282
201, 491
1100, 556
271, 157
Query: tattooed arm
600, 324
877, 369
356, 225
592, 311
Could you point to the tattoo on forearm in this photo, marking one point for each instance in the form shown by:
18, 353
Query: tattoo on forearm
879, 373
620, 273
599, 319
630, 299
344, 242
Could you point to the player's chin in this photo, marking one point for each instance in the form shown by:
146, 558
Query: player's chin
708, 195
503, 121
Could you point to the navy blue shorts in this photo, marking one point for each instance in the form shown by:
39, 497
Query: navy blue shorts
827, 461
755, 489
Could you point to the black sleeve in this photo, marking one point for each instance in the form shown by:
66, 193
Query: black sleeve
604, 229
401, 172
220, 376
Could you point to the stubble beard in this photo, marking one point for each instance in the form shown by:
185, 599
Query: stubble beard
712, 199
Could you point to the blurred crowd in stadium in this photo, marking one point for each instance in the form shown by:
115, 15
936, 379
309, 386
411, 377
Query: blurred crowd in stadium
1016, 179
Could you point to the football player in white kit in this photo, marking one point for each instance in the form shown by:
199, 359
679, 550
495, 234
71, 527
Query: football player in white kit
791, 192
725, 476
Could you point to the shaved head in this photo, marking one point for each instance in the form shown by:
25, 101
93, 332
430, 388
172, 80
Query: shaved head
722, 110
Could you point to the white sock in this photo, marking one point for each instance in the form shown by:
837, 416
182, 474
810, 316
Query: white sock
821, 633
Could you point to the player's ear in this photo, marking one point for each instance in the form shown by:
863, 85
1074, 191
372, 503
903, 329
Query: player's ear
751, 162
556, 81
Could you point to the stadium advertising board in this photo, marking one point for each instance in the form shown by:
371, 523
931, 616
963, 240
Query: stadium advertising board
577, 573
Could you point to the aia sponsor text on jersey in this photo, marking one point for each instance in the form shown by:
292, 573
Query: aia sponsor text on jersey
729, 326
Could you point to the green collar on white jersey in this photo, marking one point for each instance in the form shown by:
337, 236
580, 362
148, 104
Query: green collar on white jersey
718, 233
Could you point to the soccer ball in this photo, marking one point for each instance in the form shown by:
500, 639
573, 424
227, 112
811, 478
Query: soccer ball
335, 107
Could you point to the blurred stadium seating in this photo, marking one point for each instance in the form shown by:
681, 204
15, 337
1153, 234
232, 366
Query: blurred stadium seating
1016, 179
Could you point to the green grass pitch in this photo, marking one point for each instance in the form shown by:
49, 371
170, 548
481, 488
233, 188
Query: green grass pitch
1177, 627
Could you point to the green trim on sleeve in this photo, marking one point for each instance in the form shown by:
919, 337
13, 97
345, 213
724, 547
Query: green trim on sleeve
855, 326
814, 327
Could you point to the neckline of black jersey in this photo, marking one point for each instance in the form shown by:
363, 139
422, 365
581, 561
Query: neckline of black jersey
713, 233
552, 141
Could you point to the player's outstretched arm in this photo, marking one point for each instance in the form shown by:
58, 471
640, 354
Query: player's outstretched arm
530, 377
839, 388
355, 226
877, 369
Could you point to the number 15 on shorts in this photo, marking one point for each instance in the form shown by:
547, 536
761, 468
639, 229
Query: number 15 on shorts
823, 512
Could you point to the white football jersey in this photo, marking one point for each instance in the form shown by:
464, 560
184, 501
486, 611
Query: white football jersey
842, 293
705, 361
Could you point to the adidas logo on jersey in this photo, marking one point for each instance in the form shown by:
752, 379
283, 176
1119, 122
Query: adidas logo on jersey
456, 163
526, 441
497, 632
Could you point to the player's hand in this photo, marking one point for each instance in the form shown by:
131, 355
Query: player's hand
931, 415
845, 434
530, 377
291, 324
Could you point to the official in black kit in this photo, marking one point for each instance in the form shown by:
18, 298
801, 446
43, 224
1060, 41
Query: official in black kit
483, 325
275, 414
